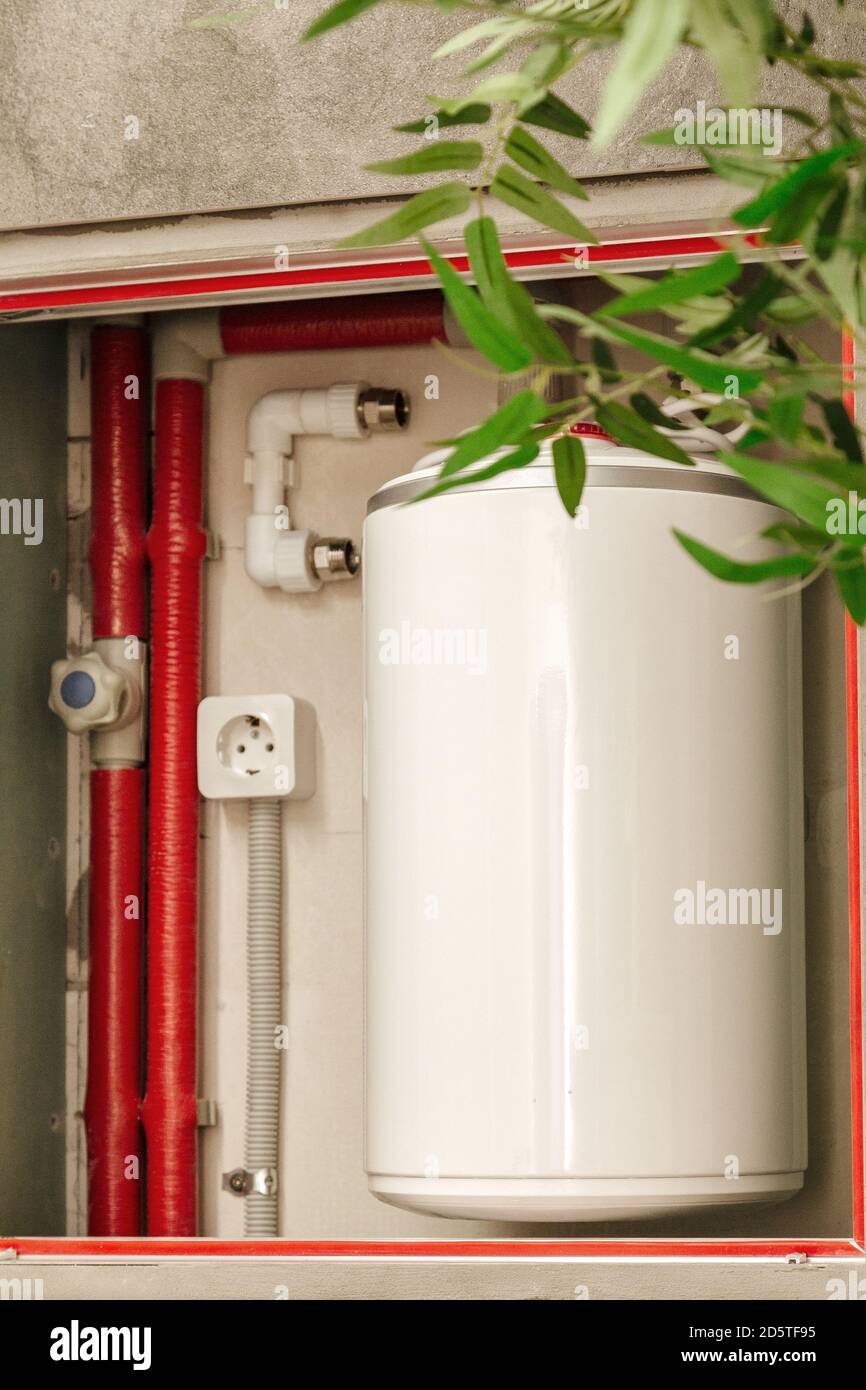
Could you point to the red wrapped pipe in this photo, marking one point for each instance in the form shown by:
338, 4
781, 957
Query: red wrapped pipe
176, 545
118, 509
111, 1109
357, 321
118, 569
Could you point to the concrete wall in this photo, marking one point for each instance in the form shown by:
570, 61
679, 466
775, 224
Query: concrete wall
242, 116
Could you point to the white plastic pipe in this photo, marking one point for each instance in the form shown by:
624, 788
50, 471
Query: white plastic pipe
274, 555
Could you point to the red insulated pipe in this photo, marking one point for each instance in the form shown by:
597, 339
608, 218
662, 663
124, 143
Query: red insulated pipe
176, 544
119, 487
358, 321
117, 564
111, 1110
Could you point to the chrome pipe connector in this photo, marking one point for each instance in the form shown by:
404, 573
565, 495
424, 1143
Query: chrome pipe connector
334, 558
380, 408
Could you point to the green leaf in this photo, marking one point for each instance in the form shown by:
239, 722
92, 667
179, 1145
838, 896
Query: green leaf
546, 63
506, 426
502, 86
515, 458
652, 31
517, 191
488, 28
483, 329
712, 373
850, 576
790, 185
831, 220
630, 429
649, 411
569, 468
433, 205
796, 533
737, 61
552, 113
744, 314
744, 572
667, 136
842, 274
604, 360
831, 67
510, 301
803, 117
743, 170
213, 21
433, 158
478, 113
798, 212
845, 435
799, 493
785, 415
526, 151
675, 288
341, 13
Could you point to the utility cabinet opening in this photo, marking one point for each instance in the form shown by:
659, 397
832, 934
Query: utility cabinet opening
195, 616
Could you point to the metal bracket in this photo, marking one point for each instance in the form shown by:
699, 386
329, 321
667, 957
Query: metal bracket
206, 1114
213, 550
797, 1257
241, 1182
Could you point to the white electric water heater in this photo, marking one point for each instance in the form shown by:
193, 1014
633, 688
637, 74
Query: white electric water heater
584, 849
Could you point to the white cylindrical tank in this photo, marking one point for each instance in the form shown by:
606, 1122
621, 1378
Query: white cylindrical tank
584, 849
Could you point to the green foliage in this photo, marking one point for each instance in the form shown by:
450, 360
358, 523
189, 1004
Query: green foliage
731, 330
569, 467
652, 33
433, 158
513, 188
483, 329
434, 205
745, 572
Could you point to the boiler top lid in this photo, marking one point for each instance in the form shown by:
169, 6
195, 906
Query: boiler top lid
608, 465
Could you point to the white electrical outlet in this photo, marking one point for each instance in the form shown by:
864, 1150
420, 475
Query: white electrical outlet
256, 745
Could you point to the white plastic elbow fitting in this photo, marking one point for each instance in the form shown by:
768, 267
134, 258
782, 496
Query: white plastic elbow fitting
277, 417
274, 555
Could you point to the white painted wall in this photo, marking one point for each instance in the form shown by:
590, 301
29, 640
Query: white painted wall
262, 640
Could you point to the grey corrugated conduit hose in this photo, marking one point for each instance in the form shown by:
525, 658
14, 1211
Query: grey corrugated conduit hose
264, 893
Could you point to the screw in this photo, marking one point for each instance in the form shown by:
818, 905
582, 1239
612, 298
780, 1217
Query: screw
54, 580
237, 1182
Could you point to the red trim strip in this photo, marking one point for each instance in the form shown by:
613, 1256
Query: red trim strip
374, 272
450, 1249
852, 699
35, 1247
